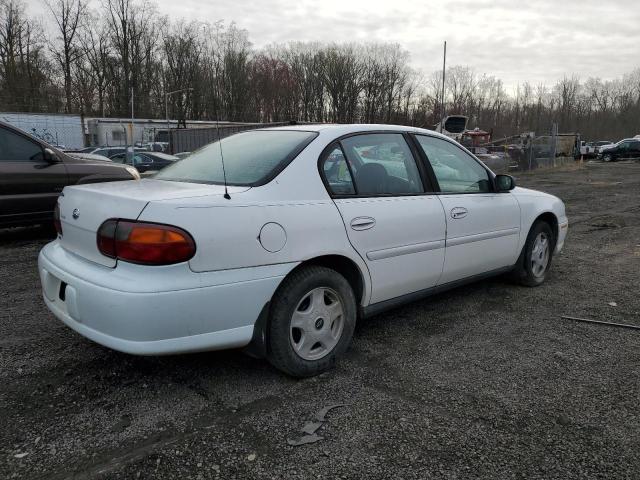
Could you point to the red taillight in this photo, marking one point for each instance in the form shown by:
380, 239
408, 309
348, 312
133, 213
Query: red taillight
56, 219
107, 238
146, 243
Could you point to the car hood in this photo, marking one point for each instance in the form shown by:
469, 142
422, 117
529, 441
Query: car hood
529, 192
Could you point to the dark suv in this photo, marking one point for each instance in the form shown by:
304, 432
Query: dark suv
627, 148
33, 173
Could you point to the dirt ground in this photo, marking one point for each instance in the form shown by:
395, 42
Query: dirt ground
485, 381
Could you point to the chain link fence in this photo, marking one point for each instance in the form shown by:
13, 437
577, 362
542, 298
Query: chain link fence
190, 139
528, 151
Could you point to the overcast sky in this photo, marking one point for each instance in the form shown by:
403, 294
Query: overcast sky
517, 41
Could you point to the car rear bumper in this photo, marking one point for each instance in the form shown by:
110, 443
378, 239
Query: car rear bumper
156, 310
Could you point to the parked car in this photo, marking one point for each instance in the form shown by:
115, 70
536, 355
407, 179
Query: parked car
146, 161
111, 151
33, 173
155, 146
80, 150
597, 146
296, 237
89, 156
627, 148
108, 151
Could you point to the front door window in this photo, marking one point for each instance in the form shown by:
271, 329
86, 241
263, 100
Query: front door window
455, 170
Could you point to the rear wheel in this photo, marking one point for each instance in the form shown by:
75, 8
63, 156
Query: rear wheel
535, 260
312, 318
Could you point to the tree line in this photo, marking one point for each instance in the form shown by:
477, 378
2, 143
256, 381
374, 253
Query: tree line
95, 61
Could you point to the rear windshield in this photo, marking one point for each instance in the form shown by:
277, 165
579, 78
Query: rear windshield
250, 158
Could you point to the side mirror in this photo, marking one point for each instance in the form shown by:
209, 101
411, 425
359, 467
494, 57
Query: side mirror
505, 183
50, 156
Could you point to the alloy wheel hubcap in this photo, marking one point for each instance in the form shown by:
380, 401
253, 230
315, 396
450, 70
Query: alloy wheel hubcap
540, 255
317, 324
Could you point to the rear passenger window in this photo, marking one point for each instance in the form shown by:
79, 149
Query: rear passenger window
336, 173
16, 148
382, 164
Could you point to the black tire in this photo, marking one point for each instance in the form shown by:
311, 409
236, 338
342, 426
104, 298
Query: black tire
292, 291
523, 272
607, 157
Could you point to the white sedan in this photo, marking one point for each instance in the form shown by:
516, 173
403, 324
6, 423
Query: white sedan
312, 228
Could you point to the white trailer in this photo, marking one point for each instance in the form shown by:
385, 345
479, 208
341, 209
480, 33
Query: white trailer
60, 130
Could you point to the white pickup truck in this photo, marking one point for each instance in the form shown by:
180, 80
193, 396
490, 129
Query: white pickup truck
591, 149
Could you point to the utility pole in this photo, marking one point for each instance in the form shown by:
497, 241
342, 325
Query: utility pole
444, 70
132, 142
166, 104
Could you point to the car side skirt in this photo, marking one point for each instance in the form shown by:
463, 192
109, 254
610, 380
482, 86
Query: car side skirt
380, 307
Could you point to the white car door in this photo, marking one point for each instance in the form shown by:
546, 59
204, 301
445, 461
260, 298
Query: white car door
483, 227
397, 228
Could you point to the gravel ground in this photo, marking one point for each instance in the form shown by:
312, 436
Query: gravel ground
485, 381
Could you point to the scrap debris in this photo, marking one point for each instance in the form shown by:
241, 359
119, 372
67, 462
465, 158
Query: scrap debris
310, 428
304, 440
587, 320
320, 416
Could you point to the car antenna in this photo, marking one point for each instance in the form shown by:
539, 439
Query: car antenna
224, 172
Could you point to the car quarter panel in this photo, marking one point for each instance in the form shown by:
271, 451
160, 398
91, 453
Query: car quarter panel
533, 204
228, 232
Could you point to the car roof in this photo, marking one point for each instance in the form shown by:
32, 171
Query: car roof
345, 129
160, 155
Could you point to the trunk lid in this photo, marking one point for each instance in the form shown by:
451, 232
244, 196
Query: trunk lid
83, 208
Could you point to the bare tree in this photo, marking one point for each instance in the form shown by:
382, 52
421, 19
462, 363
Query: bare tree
98, 61
68, 15
95, 63
132, 31
25, 72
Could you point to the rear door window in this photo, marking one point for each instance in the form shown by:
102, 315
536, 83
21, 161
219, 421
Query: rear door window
139, 160
382, 164
336, 172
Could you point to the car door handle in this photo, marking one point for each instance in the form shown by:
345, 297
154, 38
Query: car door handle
363, 223
459, 212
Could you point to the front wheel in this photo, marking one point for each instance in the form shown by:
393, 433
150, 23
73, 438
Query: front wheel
312, 318
607, 157
535, 260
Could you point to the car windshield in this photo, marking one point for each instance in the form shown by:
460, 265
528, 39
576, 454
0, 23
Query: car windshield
250, 158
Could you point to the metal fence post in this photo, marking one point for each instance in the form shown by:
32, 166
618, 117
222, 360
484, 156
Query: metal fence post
554, 143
